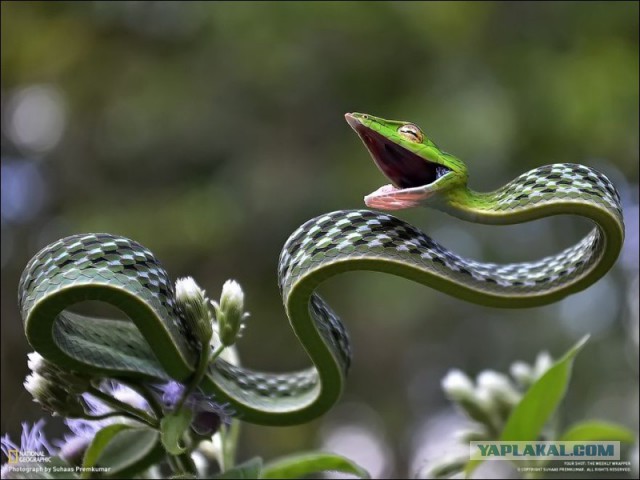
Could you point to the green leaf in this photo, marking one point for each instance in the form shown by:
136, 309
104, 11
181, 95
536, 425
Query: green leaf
123, 449
538, 404
598, 431
99, 443
303, 464
249, 469
131, 452
173, 427
447, 469
541, 400
471, 466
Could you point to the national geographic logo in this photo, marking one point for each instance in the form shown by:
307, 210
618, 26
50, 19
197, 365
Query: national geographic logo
13, 456
16, 456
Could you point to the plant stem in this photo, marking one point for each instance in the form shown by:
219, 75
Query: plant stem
94, 418
174, 464
131, 411
187, 462
230, 442
222, 459
148, 395
203, 362
217, 353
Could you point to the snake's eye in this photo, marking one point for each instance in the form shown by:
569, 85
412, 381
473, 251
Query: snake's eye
411, 132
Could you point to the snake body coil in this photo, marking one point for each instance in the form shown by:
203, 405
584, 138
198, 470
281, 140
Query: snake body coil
156, 345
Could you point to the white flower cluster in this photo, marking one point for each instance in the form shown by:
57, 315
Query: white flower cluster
55, 389
229, 313
34, 383
493, 396
526, 374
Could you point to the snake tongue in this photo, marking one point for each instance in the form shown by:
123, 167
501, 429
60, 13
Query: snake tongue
389, 197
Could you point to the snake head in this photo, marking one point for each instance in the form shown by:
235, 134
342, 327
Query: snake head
419, 171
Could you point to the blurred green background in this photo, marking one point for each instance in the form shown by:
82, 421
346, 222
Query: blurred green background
210, 132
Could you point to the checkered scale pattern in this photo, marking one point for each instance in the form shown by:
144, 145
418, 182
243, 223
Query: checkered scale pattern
267, 385
354, 234
324, 246
91, 259
261, 386
366, 234
556, 182
363, 234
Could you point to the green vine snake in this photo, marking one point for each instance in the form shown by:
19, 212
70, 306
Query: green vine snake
155, 344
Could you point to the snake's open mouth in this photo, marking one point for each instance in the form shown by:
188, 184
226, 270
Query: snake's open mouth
406, 170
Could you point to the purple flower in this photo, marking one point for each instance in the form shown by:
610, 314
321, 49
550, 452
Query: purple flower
88, 428
31, 440
171, 392
208, 414
73, 446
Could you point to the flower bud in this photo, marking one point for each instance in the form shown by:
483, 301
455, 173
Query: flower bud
501, 395
499, 387
35, 385
74, 382
476, 403
457, 385
544, 361
54, 396
522, 372
192, 302
230, 313
35, 361
205, 423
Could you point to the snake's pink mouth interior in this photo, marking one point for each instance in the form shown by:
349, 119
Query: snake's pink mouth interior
404, 168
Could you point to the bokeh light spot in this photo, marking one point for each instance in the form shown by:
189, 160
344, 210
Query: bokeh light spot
35, 118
